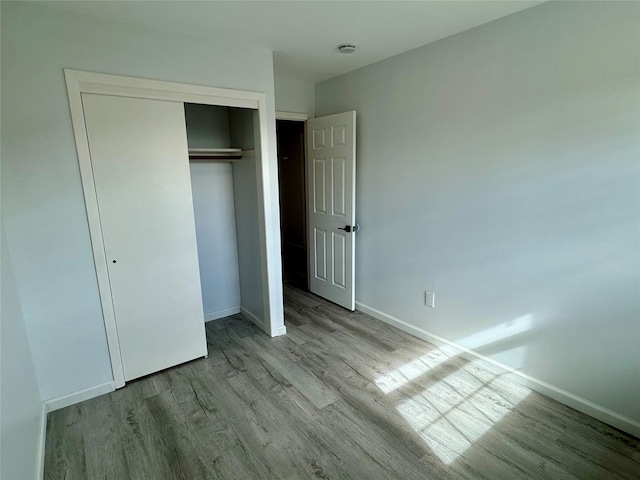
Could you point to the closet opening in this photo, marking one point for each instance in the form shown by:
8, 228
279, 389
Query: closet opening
147, 178
222, 164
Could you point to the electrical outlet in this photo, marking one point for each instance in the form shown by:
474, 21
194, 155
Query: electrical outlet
429, 299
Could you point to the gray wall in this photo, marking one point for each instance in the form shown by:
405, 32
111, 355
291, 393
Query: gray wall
499, 168
241, 128
245, 184
249, 261
44, 210
294, 95
207, 126
21, 410
214, 212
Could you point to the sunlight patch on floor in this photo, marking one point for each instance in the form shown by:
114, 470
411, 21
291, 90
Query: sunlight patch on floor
450, 420
454, 412
409, 371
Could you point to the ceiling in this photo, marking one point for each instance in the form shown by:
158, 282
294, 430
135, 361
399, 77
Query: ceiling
304, 34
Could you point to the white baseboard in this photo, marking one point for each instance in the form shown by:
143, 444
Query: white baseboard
251, 316
225, 312
282, 330
57, 403
583, 405
72, 398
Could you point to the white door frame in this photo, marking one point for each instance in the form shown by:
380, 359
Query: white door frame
79, 82
295, 117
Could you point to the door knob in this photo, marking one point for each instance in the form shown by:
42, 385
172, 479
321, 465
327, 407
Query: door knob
349, 228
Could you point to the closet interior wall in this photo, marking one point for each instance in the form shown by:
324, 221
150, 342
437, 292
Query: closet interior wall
226, 212
244, 133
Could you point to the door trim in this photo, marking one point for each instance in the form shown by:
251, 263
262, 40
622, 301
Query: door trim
79, 82
296, 117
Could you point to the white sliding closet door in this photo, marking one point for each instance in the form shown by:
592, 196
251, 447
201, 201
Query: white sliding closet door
140, 166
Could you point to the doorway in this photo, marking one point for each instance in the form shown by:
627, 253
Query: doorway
317, 204
293, 210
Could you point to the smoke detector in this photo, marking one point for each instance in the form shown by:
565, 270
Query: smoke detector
347, 48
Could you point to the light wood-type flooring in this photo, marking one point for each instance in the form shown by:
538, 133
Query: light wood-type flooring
341, 396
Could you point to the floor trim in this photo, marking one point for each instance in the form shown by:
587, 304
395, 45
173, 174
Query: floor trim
282, 330
76, 397
225, 312
599, 412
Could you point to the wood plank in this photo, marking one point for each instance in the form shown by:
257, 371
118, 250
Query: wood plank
64, 454
103, 446
287, 366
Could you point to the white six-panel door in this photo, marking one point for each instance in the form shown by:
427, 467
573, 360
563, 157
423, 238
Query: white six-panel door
140, 164
331, 174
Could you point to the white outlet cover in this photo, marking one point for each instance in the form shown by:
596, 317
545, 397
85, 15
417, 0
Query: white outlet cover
429, 299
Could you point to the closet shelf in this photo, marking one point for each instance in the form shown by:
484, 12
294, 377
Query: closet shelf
215, 153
